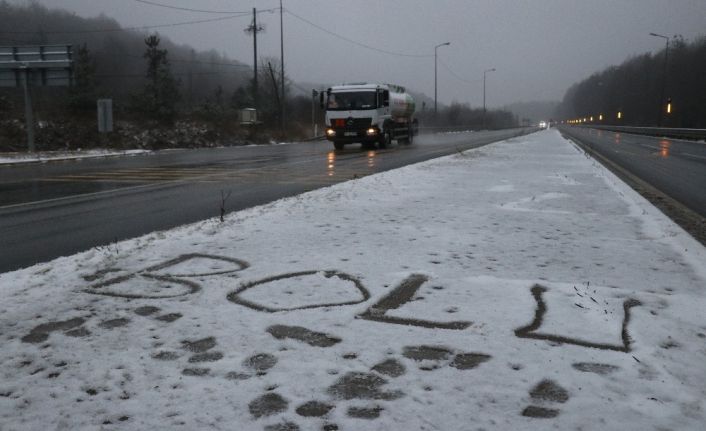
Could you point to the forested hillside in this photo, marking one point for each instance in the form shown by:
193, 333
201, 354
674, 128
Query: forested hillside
164, 94
118, 54
634, 88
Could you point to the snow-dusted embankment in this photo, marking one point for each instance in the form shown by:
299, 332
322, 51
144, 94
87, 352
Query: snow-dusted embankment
49, 156
517, 286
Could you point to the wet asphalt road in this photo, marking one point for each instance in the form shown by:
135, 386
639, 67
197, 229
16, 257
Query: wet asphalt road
675, 167
60, 208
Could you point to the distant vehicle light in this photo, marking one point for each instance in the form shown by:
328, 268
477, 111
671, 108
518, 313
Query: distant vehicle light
372, 131
543, 124
330, 132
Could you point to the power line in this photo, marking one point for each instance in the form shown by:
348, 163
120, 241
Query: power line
455, 75
119, 29
399, 54
186, 9
207, 63
142, 75
299, 87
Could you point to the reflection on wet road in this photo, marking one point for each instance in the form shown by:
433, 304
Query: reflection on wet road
664, 148
331, 163
675, 167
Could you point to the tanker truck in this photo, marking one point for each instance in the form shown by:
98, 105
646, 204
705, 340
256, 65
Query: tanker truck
368, 114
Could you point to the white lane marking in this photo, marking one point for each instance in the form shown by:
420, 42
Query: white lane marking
696, 156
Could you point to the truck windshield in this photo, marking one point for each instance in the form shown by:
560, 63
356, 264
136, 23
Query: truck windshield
351, 100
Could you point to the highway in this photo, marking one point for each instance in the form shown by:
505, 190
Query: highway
676, 168
60, 208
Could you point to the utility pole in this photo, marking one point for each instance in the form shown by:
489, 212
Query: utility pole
29, 117
484, 110
314, 94
281, 60
436, 57
190, 81
274, 85
664, 78
255, 29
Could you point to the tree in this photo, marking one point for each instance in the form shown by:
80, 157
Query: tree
160, 94
82, 94
634, 88
269, 82
241, 99
218, 99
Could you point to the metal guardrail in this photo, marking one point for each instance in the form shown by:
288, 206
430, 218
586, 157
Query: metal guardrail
315, 138
439, 129
445, 129
667, 132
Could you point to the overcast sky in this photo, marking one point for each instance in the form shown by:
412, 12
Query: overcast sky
539, 47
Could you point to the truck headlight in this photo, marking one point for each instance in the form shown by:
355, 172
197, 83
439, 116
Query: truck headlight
330, 132
372, 131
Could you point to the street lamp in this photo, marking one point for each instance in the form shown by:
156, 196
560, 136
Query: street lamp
664, 77
435, 73
314, 95
484, 73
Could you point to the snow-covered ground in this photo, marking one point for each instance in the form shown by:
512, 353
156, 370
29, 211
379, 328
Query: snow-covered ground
45, 156
516, 286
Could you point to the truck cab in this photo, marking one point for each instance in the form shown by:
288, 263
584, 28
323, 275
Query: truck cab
369, 114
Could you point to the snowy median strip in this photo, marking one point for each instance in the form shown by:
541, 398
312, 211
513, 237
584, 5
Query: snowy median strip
516, 286
50, 156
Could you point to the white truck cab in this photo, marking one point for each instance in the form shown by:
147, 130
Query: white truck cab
368, 114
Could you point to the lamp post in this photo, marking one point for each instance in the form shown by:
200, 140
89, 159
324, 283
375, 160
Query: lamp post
436, 56
484, 73
664, 77
281, 57
314, 94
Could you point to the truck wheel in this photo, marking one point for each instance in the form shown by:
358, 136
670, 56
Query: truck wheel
386, 140
338, 145
407, 139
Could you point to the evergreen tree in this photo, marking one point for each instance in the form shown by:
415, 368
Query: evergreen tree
160, 95
635, 87
82, 94
240, 99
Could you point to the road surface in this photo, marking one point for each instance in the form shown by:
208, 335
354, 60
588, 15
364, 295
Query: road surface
60, 208
675, 167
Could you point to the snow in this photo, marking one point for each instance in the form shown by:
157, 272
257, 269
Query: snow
539, 282
45, 156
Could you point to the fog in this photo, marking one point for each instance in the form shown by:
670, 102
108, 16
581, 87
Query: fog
538, 48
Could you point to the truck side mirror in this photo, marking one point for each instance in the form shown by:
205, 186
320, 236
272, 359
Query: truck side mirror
385, 98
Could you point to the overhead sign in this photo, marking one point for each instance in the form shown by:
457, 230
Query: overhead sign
45, 65
34, 66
